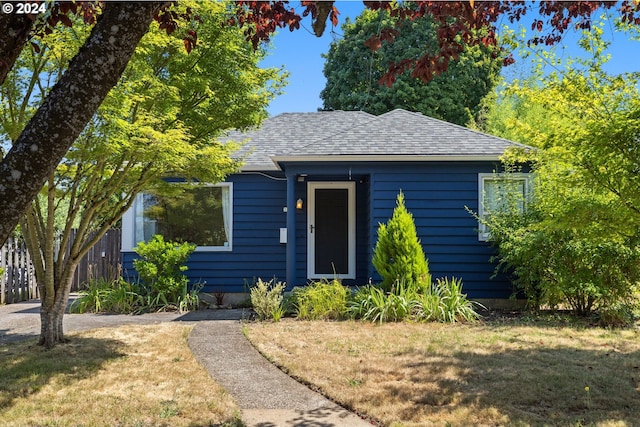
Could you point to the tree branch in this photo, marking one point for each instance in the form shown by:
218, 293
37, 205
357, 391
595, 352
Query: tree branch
70, 105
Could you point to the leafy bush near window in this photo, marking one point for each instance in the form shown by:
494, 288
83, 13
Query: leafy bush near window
266, 299
323, 299
162, 285
160, 268
555, 265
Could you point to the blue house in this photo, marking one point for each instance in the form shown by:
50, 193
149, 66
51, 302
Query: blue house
314, 187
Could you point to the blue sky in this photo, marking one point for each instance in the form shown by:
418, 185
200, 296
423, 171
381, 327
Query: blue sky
300, 54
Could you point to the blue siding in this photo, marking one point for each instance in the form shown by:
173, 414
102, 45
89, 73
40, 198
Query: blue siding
436, 193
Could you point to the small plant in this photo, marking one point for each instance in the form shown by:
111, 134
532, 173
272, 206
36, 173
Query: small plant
398, 255
374, 304
277, 313
454, 305
169, 409
190, 300
219, 297
266, 298
323, 299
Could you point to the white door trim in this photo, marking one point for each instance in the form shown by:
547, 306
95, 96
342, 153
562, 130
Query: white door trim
350, 186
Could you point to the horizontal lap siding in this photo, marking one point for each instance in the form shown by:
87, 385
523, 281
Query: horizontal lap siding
436, 194
257, 252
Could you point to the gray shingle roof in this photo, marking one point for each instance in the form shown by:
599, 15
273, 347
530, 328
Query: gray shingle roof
288, 132
349, 135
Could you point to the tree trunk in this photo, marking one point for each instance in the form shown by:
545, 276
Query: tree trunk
51, 332
70, 105
16, 28
54, 306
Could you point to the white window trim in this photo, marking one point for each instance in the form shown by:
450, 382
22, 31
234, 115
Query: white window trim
350, 186
129, 223
483, 234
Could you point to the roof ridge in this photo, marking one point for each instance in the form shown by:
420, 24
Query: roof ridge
465, 128
371, 118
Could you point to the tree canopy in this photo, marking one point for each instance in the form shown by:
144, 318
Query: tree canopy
353, 71
161, 118
578, 243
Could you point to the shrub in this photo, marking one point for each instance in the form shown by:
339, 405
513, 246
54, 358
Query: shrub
617, 316
266, 299
323, 299
160, 268
162, 284
398, 255
555, 265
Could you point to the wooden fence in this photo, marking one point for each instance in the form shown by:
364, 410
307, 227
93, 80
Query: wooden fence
102, 261
18, 283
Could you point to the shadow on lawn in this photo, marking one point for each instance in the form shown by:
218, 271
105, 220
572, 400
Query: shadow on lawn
545, 386
27, 367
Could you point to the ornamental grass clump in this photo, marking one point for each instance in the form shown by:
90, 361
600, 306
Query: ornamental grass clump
372, 303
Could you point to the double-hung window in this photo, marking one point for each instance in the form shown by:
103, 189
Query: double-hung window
195, 213
499, 192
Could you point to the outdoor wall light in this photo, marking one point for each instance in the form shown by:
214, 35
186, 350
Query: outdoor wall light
299, 204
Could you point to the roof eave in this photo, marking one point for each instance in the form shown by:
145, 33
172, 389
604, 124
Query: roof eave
257, 168
277, 160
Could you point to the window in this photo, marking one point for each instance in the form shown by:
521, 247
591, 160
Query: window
200, 214
498, 192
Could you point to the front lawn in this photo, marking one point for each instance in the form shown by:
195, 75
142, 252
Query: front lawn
505, 371
134, 375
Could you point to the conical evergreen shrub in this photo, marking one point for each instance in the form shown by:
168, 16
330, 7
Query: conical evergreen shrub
398, 255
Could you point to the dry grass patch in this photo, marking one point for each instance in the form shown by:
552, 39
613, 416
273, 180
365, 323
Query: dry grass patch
134, 375
506, 372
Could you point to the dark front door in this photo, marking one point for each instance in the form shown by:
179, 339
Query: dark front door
331, 230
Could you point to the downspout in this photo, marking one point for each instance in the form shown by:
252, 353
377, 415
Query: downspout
291, 231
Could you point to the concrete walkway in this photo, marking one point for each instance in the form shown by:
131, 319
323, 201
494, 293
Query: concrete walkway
267, 396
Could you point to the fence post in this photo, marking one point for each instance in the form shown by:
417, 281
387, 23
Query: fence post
3, 276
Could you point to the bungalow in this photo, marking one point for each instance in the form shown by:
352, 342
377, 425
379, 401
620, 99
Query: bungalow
314, 186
